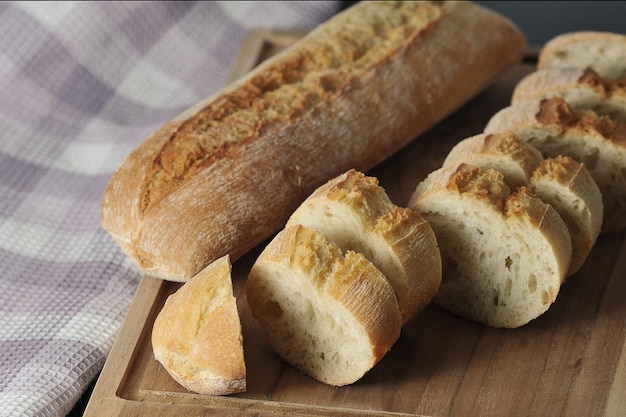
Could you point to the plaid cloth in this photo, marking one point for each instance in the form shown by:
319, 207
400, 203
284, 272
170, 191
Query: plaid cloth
82, 84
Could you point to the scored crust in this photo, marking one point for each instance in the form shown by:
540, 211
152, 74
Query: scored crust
598, 142
197, 334
354, 212
331, 315
568, 186
561, 182
504, 254
581, 89
226, 174
514, 158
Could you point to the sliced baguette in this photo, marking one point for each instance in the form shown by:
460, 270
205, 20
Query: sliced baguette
604, 52
561, 182
505, 152
197, 334
504, 255
582, 89
598, 142
227, 173
331, 315
567, 186
354, 212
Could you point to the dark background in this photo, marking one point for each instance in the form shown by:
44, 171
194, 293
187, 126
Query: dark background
542, 20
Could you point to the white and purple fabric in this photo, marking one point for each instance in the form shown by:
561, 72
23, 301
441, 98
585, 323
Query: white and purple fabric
81, 85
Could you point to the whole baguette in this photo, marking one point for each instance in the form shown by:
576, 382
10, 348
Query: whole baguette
226, 174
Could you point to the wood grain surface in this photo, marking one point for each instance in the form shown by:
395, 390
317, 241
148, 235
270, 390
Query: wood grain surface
571, 361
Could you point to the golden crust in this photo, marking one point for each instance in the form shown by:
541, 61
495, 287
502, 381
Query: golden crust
396, 239
348, 294
197, 334
560, 181
598, 142
487, 237
182, 199
515, 158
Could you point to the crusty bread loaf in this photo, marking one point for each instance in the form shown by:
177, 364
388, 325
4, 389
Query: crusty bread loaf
504, 254
582, 89
598, 142
226, 174
355, 212
604, 52
331, 315
561, 182
197, 334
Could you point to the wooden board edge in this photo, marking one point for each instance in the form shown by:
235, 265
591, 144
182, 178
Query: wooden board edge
104, 398
257, 45
617, 396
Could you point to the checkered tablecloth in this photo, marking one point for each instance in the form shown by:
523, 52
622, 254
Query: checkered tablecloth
81, 85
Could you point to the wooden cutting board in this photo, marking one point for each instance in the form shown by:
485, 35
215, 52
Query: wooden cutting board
569, 362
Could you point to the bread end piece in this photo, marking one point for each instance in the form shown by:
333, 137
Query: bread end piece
197, 334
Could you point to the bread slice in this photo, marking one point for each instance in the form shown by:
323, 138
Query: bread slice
505, 255
561, 182
582, 89
567, 186
331, 315
505, 152
598, 142
355, 212
604, 52
197, 334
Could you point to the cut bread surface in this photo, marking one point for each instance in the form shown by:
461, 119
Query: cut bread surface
331, 315
504, 255
354, 212
598, 142
561, 182
604, 52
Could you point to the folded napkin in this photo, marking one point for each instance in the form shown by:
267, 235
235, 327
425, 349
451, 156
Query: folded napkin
82, 84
